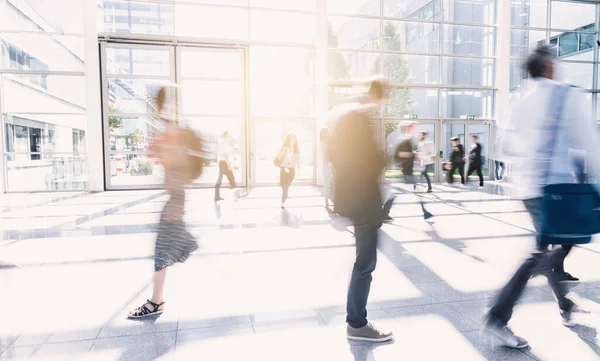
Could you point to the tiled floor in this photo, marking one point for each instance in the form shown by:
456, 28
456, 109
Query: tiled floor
270, 285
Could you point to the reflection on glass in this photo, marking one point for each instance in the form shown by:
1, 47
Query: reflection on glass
467, 71
411, 37
411, 69
134, 170
127, 95
353, 33
579, 74
403, 102
459, 103
523, 42
531, 13
571, 15
131, 133
138, 61
141, 17
413, 9
472, 11
49, 93
354, 7
56, 172
468, 40
343, 66
32, 52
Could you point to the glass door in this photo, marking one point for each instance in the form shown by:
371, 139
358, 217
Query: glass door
465, 132
206, 88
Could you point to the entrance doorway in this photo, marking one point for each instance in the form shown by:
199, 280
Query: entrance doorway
464, 132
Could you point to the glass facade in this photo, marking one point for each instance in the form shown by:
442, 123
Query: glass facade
439, 56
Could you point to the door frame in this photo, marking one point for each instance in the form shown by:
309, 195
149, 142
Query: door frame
174, 77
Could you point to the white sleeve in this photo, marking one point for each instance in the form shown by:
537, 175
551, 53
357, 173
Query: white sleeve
583, 131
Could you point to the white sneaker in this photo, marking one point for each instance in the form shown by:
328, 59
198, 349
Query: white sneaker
480, 188
503, 336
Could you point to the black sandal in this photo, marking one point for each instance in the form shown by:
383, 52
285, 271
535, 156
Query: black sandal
143, 311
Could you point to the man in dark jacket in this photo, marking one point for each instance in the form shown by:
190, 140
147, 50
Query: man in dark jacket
457, 161
475, 161
357, 163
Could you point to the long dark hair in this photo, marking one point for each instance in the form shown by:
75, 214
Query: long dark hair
288, 142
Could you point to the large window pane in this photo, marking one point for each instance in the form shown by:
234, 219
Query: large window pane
268, 63
413, 9
212, 63
570, 45
532, 13
467, 71
211, 22
470, 11
518, 74
134, 170
41, 52
209, 97
354, 33
43, 94
342, 94
128, 95
405, 101
411, 69
411, 37
352, 65
138, 61
131, 133
571, 15
138, 17
354, 7
522, 42
282, 26
579, 74
458, 103
467, 40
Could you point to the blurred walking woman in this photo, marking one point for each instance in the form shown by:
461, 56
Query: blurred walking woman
173, 242
288, 160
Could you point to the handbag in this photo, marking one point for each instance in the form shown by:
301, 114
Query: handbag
277, 160
570, 211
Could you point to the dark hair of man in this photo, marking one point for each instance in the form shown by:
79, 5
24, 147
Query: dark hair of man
424, 134
476, 137
454, 139
538, 62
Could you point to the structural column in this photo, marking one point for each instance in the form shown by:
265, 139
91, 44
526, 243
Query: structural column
321, 92
94, 137
502, 105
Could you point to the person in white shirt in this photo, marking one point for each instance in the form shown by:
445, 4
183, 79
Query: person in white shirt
288, 160
225, 159
426, 156
545, 125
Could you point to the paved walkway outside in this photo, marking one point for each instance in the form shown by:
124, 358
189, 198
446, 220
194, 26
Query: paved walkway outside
268, 284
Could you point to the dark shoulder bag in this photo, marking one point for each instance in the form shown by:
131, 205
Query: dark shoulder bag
570, 210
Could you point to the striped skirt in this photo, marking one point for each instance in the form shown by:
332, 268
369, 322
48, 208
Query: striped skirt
173, 244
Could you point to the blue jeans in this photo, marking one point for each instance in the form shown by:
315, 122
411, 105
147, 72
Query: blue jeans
541, 262
500, 165
360, 283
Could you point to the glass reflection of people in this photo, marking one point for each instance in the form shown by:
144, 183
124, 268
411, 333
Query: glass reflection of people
498, 163
327, 168
225, 159
289, 160
173, 242
457, 162
475, 160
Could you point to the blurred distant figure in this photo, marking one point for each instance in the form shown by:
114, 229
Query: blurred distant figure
358, 163
457, 162
327, 168
551, 119
225, 158
475, 161
498, 163
173, 242
425, 153
288, 159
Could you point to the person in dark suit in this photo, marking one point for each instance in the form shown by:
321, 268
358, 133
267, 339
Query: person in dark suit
475, 160
358, 163
457, 161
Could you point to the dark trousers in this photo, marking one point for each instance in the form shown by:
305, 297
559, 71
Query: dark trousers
286, 179
461, 170
475, 168
409, 178
499, 165
360, 282
424, 172
224, 171
541, 262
